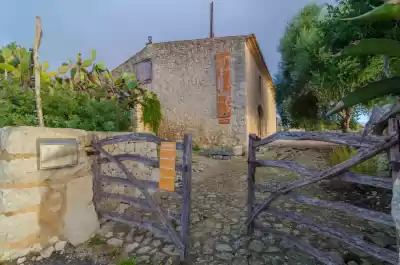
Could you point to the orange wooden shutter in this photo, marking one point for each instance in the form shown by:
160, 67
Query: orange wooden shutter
224, 97
167, 166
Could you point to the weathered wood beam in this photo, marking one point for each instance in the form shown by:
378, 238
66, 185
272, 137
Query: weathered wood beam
186, 198
138, 203
370, 215
380, 182
302, 245
139, 158
131, 221
352, 241
351, 139
149, 184
148, 137
329, 173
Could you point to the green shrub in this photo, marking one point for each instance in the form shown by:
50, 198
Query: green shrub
130, 261
343, 153
62, 108
196, 148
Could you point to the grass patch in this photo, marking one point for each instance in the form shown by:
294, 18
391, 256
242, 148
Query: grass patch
196, 148
97, 240
343, 153
130, 261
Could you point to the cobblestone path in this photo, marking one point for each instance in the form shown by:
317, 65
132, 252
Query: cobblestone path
218, 213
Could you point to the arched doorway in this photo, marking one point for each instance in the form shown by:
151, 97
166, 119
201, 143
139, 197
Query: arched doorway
260, 122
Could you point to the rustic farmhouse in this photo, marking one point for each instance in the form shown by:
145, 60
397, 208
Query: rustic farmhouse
219, 89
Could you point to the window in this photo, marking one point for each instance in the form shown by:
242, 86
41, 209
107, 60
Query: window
260, 85
144, 71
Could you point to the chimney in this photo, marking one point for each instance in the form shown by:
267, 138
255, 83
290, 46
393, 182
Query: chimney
150, 40
212, 19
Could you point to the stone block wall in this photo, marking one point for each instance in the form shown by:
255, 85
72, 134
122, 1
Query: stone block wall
42, 208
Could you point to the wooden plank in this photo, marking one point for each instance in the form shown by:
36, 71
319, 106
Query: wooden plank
338, 234
149, 184
350, 139
167, 166
138, 203
379, 182
393, 128
97, 189
131, 221
141, 159
251, 171
224, 97
186, 198
137, 137
323, 257
370, 215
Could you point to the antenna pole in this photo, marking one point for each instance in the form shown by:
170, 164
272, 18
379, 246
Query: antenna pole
212, 19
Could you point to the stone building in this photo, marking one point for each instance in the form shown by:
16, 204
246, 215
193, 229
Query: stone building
218, 89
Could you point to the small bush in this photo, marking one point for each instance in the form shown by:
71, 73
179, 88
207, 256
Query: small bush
97, 240
130, 261
62, 108
196, 148
343, 153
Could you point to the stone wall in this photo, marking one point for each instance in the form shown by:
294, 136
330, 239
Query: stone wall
42, 208
259, 94
184, 78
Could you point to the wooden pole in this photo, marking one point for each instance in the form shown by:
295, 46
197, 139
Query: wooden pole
395, 172
38, 37
186, 198
251, 171
212, 19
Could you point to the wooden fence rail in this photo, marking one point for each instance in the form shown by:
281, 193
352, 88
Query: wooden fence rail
367, 148
164, 227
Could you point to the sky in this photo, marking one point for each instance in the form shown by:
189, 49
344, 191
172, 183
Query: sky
118, 29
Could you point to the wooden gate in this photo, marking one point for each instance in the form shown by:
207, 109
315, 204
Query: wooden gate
367, 148
164, 226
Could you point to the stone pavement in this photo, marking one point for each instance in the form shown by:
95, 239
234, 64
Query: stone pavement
218, 214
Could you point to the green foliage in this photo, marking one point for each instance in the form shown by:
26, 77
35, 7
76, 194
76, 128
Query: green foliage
369, 92
97, 240
196, 148
372, 47
62, 108
387, 11
130, 261
344, 153
383, 88
308, 49
152, 111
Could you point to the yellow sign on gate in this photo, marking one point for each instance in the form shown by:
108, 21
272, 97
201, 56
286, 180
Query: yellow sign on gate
167, 166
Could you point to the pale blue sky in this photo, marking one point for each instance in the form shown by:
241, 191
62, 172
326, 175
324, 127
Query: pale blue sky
118, 29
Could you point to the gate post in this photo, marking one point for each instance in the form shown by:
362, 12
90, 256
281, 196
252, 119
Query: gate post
186, 200
96, 176
251, 170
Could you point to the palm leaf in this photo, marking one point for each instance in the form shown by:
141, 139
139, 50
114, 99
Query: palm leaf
388, 11
7, 67
372, 47
390, 86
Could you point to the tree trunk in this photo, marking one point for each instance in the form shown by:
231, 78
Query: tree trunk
346, 118
38, 37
